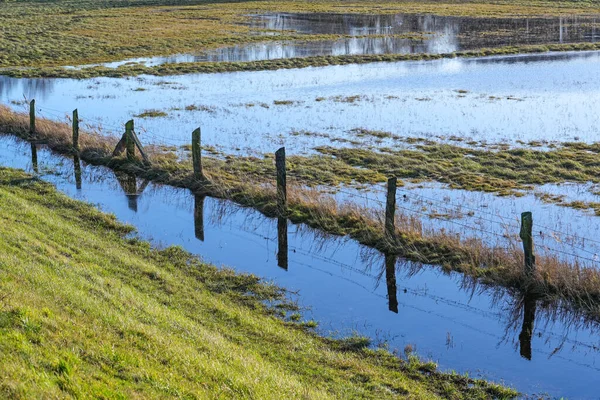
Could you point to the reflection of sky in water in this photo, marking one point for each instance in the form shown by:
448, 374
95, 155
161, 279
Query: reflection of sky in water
442, 35
531, 97
339, 281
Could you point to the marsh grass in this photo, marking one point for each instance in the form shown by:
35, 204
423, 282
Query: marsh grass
249, 182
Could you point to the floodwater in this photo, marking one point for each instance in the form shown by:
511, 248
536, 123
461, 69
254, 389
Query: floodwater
347, 287
389, 34
543, 97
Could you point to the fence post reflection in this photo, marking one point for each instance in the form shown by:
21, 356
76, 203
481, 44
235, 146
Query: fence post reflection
199, 216
34, 158
128, 183
282, 241
77, 168
529, 307
390, 279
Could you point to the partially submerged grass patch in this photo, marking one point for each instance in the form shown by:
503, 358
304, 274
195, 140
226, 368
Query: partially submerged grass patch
504, 172
151, 114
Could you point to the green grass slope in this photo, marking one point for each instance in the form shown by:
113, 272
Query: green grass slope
87, 313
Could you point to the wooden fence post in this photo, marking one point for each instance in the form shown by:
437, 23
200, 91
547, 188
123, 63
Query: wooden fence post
129, 142
197, 154
32, 118
281, 181
527, 238
390, 209
76, 130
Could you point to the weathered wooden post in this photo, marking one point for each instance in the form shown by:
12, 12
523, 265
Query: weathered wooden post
390, 209
32, 118
129, 141
197, 154
281, 181
76, 130
527, 238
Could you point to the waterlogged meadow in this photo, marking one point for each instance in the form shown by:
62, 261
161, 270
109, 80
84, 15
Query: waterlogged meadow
474, 141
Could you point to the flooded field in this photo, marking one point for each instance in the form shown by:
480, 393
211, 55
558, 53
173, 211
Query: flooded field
350, 288
474, 144
510, 99
388, 34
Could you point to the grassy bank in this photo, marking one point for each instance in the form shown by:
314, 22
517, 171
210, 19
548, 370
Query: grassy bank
249, 182
75, 32
86, 313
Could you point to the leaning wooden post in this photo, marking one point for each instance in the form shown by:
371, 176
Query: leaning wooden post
527, 238
129, 142
390, 209
197, 155
32, 118
281, 181
76, 130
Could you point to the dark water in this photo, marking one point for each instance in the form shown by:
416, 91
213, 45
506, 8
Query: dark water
347, 287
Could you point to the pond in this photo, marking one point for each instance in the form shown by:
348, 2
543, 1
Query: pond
346, 287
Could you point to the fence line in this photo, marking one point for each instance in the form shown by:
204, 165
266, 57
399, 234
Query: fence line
130, 142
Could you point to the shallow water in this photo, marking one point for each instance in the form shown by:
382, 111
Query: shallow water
545, 97
389, 34
347, 286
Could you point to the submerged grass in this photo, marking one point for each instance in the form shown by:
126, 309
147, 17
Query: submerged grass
248, 181
88, 313
502, 171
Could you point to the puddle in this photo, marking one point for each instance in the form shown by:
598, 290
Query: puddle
349, 288
389, 34
547, 97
